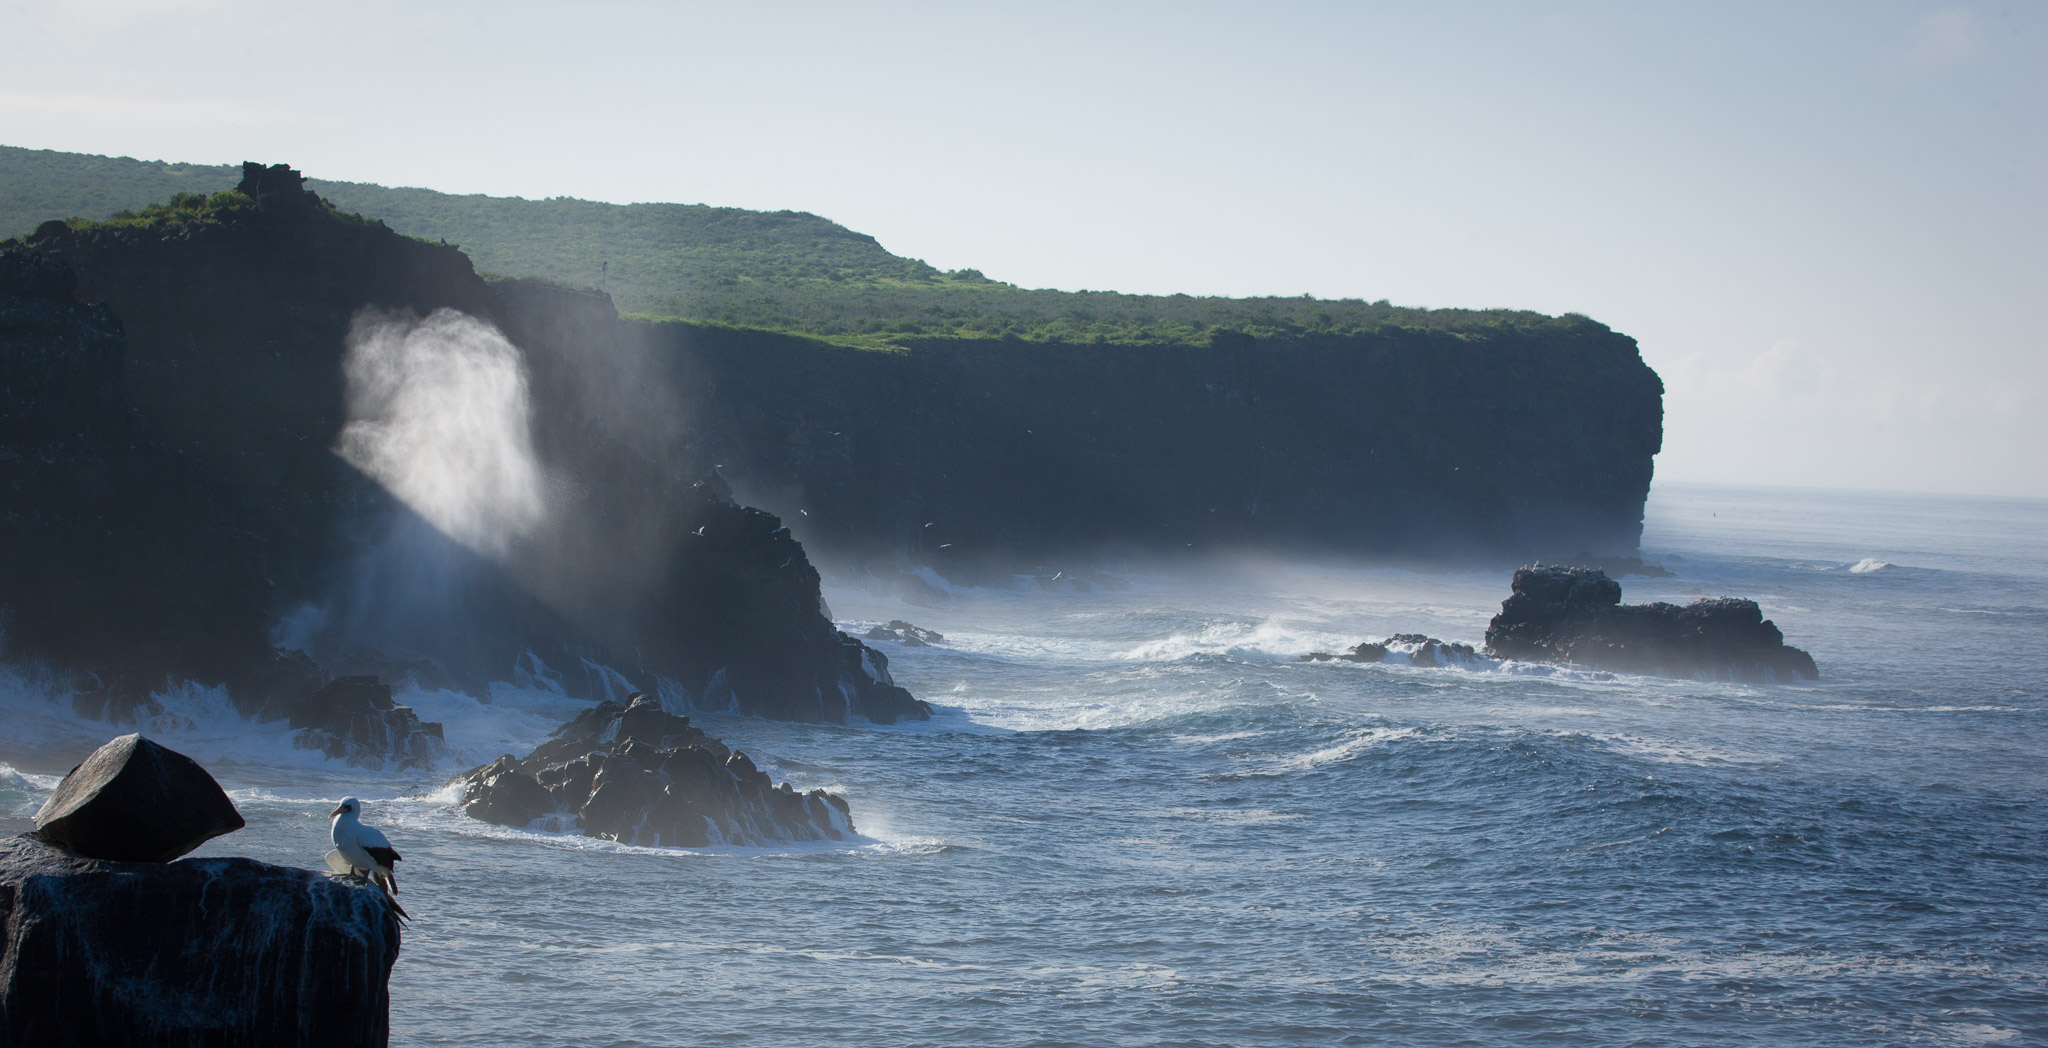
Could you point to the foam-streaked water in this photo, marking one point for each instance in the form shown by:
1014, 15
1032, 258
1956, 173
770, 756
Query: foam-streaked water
1137, 820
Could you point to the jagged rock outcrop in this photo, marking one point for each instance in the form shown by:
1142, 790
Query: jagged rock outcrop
353, 718
1415, 649
133, 800
905, 634
1574, 616
169, 454
641, 775
213, 952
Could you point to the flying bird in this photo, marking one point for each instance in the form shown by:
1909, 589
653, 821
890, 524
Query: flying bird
365, 850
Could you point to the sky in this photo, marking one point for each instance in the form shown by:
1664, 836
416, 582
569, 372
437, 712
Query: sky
1824, 223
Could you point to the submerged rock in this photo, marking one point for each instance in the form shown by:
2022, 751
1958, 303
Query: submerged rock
224, 951
1574, 616
1417, 649
133, 800
905, 634
639, 774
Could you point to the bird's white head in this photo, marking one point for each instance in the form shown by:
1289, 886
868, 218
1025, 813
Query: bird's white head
348, 806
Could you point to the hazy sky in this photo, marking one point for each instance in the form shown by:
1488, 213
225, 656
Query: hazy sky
1825, 223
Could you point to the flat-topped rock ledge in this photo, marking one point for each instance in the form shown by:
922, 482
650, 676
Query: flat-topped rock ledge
639, 774
227, 952
1575, 617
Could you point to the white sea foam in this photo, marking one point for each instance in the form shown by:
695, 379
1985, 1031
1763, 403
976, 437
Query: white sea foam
23, 794
515, 720
201, 722
1669, 751
1352, 743
1237, 816
1266, 638
1868, 565
436, 814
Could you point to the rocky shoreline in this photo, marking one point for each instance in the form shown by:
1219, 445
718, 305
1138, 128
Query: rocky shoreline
172, 451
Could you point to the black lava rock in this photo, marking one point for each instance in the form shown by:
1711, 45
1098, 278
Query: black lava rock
353, 718
905, 634
135, 801
641, 775
1421, 650
1574, 616
215, 952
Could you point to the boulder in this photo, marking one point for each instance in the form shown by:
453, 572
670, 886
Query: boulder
642, 775
214, 952
1574, 616
133, 800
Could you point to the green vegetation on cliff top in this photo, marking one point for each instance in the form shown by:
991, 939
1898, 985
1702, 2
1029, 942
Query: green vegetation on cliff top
783, 270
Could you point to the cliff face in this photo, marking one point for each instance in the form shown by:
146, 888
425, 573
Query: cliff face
198, 951
205, 507
1403, 444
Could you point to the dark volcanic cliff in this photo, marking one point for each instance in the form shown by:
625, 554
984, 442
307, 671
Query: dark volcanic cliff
188, 512
1408, 443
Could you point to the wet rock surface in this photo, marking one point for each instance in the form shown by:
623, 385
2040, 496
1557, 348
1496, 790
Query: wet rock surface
905, 634
133, 800
1574, 616
213, 952
868, 690
641, 775
354, 719
1415, 648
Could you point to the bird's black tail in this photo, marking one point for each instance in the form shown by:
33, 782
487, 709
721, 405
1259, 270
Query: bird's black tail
395, 908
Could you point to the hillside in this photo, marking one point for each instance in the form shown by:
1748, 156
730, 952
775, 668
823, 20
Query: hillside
783, 270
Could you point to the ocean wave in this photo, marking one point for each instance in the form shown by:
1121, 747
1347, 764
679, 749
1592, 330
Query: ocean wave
437, 815
1668, 751
1350, 745
23, 794
1868, 565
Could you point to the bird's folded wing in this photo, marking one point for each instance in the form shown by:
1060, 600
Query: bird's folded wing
385, 856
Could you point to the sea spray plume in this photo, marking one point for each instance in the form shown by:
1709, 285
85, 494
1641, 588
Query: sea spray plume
439, 414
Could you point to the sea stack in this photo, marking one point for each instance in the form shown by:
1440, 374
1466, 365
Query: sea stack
1575, 617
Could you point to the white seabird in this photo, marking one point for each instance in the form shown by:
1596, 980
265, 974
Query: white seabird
364, 850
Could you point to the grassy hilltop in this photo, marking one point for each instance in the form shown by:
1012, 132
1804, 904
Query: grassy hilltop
783, 270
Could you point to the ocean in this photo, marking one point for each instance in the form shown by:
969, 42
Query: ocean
1137, 819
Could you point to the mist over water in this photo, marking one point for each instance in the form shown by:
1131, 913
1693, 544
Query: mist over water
439, 414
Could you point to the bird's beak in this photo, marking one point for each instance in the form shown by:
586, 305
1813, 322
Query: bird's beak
336, 811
